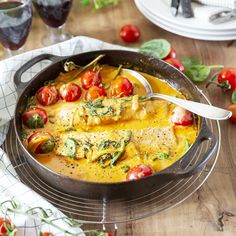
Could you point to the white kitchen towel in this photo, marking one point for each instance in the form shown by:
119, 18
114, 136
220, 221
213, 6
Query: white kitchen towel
10, 185
219, 3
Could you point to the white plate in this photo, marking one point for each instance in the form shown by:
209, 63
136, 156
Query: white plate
161, 9
185, 33
146, 12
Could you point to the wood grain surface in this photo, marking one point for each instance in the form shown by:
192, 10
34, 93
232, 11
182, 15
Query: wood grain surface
211, 211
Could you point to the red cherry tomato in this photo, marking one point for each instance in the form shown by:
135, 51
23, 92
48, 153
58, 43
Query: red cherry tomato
90, 78
176, 63
227, 78
9, 230
95, 92
70, 92
46, 234
130, 33
172, 54
47, 95
121, 87
232, 108
181, 116
139, 172
35, 117
41, 142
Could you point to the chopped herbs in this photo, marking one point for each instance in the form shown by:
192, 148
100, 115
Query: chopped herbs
71, 147
161, 156
187, 145
31, 101
70, 129
125, 168
24, 134
105, 144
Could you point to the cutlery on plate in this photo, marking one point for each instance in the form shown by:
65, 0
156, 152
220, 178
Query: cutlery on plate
187, 8
223, 16
174, 7
204, 110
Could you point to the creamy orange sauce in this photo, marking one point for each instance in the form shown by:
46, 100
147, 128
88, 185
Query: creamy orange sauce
92, 171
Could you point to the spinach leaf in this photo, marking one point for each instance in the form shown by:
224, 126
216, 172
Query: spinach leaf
234, 97
158, 48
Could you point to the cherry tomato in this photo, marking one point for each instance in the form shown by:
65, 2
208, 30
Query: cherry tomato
10, 230
172, 54
232, 107
139, 172
41, 142
227, 78
121, 87
90, 78
47, 95
130, 33
46, 234
176, 63
181, 116
70, 92
34, 117
95, 92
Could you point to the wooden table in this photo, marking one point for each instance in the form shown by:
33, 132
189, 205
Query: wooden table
211, 211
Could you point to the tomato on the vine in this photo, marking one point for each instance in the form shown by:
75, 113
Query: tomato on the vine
90, 78
9, 230
34, 117
181, 116
232, 107
172, 54
176, 63
47, 95
130, 33
95, 92
121, 87
227, 78
70, 92
138, 172
46, 234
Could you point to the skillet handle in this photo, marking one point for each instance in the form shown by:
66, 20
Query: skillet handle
18, 74
205, 135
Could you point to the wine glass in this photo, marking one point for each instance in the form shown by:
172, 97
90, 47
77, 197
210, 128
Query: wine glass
15, 22
54, 14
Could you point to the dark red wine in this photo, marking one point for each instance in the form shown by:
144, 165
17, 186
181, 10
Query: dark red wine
53, 12
15, 23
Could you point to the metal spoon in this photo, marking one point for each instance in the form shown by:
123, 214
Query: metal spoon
204, 110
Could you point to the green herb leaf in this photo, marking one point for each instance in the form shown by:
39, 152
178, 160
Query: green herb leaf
98, 4
234, 97
71, 147
31, 101
125, 168
197, 73
24, 134
191, 62
158, 48
161, 156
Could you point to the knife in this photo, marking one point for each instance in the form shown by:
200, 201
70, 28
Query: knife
223, 16
174, 7
187, 8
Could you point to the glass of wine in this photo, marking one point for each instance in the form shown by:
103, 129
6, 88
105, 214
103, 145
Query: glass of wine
54, 14
15, 22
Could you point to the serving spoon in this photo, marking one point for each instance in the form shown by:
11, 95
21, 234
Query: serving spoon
204, 110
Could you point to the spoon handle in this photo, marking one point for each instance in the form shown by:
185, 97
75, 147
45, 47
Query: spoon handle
204, 110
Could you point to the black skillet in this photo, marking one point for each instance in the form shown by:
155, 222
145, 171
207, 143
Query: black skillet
178, 170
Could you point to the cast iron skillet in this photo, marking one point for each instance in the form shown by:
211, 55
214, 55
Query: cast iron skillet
159, 68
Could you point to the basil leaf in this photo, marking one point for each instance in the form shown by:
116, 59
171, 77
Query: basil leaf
71, 148
234, 97
191, 62
197, 73
158, 48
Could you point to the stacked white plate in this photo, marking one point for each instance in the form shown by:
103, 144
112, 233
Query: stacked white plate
198, 27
